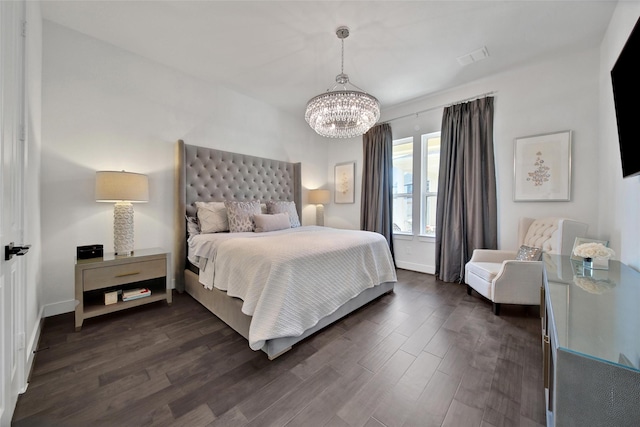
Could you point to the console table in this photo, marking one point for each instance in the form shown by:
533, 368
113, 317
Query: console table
591, 343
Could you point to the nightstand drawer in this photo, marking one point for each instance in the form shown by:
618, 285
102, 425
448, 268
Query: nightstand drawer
104, 277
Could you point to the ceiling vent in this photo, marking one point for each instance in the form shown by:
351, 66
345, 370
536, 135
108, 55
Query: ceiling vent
475, 56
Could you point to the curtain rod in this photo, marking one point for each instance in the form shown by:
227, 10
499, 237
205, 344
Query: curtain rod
442, 106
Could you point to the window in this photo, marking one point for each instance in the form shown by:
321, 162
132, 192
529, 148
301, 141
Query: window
430, 169
403, 185
425, 193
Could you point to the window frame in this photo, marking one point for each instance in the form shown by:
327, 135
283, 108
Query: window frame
424, 172
407, 195
419, 168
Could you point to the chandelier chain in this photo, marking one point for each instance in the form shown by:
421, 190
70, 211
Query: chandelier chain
342, 63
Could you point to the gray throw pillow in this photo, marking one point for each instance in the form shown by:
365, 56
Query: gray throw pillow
271, 222
280, 206
528, 253
193, 228
240, 215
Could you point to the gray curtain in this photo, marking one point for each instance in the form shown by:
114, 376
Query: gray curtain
376, 207
466, 216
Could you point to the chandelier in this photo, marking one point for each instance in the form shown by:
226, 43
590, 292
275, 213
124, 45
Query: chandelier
342, 113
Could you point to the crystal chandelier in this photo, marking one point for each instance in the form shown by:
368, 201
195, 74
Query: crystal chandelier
342, 113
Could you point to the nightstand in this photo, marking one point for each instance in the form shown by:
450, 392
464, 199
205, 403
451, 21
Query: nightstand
145, 268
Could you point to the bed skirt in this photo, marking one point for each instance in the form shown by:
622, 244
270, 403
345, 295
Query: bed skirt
229, 310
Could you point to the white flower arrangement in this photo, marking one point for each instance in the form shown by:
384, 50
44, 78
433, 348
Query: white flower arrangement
593, 250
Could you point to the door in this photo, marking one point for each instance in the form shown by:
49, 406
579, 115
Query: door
12, 274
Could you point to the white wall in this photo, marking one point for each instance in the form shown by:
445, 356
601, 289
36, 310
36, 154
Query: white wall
343, 215
108, 109
618, 198
555, 94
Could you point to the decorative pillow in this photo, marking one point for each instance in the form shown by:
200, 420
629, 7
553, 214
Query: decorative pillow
274, 207
273, 222
527, 253
240, 215
212, 217
193, 228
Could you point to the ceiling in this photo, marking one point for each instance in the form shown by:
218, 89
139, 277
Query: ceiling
285, 52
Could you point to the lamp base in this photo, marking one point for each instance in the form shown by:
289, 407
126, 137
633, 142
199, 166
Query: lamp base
123, 228
320, 215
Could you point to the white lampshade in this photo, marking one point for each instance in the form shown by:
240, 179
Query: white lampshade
123, 188
114, 186
319, 197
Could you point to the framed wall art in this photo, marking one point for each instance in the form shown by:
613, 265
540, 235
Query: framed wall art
344, 183
542, 168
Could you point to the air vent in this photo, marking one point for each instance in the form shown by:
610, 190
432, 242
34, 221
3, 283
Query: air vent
475, 56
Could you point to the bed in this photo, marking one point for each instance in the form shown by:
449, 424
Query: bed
277, 287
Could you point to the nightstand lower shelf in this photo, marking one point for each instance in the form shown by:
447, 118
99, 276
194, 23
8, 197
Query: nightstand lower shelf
99, 310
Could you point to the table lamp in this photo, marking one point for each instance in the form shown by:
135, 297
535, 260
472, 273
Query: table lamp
319, 198
123, 189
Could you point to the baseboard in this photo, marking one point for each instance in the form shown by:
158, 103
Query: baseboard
59, 308
420, 268
32, 348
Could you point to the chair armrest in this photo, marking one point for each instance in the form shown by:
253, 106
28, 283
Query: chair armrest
514, 269
518, 282
492, 255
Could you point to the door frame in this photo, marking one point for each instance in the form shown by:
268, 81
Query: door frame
13, 113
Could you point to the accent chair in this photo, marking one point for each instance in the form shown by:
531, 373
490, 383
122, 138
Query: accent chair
515, 277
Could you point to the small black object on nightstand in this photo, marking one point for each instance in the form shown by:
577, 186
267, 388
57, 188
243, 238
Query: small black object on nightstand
89, 251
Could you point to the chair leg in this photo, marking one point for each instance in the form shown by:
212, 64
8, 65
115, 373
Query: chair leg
468, 290
496, 308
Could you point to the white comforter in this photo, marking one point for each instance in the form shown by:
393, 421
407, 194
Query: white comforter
288, 280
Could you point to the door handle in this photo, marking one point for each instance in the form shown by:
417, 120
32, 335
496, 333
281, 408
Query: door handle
10, 250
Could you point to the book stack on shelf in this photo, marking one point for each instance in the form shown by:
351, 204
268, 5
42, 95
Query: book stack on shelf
132, 294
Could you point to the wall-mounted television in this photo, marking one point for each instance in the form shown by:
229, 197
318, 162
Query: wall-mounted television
625, 79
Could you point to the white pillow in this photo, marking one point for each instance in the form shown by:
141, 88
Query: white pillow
273, 222
212, 217
279, 206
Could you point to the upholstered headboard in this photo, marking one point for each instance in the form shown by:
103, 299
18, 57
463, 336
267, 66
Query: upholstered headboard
210, 175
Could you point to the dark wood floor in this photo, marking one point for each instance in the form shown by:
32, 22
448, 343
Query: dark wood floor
426, 355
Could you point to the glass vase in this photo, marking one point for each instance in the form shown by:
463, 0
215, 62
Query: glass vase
600, 263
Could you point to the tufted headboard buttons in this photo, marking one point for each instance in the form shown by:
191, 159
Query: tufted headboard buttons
215, 175
541, 233
552, 235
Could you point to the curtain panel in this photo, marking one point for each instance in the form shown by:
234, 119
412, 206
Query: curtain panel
376, 205
466, 213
